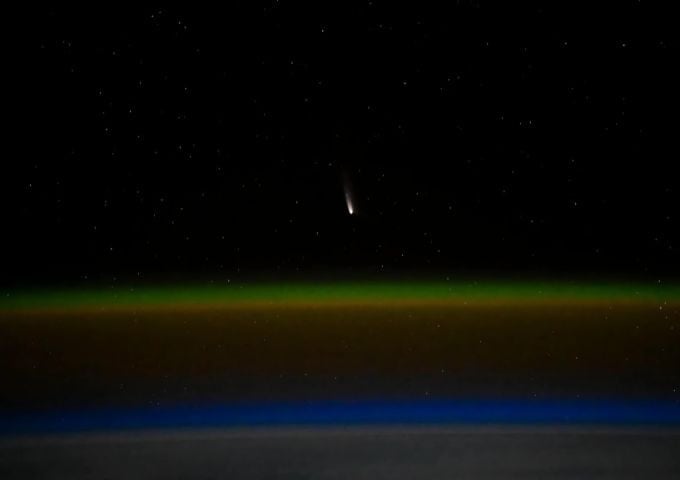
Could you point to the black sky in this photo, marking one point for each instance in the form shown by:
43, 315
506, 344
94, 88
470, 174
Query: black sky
539, 138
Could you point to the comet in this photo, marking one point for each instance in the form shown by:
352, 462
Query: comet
348, 194
348, 201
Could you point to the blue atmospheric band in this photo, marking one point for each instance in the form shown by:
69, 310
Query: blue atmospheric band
434, 412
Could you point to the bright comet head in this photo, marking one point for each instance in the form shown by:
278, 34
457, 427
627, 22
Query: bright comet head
348, 201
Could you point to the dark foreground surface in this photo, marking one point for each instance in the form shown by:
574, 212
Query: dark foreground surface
358, 452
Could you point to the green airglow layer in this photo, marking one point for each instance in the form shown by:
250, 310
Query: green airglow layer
422, 292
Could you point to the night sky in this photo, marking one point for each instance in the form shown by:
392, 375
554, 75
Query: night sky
515, 140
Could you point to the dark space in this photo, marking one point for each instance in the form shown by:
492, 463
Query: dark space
518, 138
